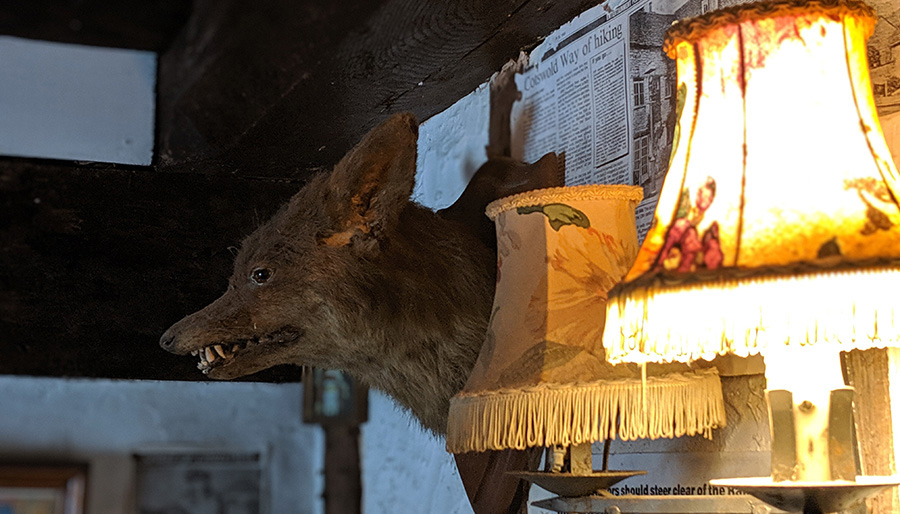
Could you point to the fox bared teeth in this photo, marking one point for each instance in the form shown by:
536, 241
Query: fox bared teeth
214, 354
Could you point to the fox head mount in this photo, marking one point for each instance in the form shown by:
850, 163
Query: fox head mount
350, 274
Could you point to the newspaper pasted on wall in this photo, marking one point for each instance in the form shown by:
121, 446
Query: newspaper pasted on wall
599, 90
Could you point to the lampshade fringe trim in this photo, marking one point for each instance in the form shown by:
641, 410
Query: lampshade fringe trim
548, 414
851, 309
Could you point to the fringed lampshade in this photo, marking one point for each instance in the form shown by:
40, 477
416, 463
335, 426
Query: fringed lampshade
542, 378
777, 229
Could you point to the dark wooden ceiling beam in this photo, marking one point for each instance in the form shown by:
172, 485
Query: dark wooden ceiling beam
143, 25
283, 87
95, 263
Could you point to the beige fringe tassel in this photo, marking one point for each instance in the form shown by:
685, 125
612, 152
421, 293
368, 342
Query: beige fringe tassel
855, 309
678, 404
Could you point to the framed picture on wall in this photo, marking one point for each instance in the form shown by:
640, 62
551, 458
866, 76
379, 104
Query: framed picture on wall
199, 483
42, 488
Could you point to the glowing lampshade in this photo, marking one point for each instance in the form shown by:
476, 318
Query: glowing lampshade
541, 378
779, 192
777, 228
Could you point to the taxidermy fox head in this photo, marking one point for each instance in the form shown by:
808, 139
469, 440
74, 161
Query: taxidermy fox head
351, 275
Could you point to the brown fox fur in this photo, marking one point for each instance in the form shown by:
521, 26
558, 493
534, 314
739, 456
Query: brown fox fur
352, 275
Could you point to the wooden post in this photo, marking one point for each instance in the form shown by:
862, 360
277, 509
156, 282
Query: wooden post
869, 373
343, 484
336, 401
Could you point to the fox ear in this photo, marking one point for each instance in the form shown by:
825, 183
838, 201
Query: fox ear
370, 186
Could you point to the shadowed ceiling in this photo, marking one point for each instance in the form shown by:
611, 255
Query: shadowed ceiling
97, 260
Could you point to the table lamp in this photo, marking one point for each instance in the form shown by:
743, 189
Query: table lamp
542, 379
777, 230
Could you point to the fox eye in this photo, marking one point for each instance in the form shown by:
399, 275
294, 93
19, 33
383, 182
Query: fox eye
261, 275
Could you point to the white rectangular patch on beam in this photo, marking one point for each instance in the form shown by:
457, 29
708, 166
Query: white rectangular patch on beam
73, 102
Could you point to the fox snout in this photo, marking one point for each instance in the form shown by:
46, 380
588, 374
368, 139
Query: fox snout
230, 338
210, 356
178, 339
170, 340
204, 335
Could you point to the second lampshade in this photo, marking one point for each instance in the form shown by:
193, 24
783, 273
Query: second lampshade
542, 378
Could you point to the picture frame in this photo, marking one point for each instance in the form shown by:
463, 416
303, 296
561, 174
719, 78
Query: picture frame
199, 482
37, 488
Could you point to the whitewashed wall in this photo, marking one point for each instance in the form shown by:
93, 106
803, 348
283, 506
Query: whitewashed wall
451, 149
405, 468
83, 103
104, 422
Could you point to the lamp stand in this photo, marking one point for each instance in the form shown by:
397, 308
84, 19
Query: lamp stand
814, 466
569, 472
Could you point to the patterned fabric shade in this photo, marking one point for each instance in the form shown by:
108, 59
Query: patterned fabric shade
542, 378
778, 221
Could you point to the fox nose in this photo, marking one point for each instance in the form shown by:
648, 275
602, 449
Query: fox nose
167, 341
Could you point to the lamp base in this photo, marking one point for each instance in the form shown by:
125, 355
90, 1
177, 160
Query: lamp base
575, 484
810, 497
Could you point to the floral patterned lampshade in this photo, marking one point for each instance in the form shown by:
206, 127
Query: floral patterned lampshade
781, 194
542, 378
777, 230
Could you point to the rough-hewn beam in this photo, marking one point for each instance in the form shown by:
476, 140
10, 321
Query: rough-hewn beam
144, 25
95, 263
273, 85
